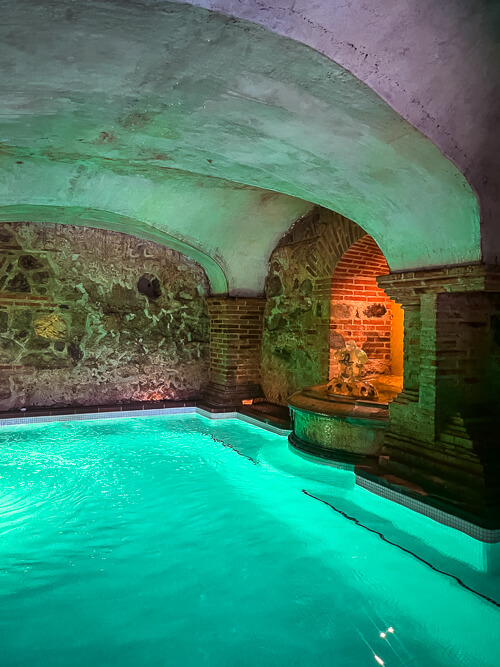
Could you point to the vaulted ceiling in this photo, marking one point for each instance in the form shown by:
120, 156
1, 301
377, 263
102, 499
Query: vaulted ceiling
212, 134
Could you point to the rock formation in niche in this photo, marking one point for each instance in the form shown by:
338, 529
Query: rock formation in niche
349, 381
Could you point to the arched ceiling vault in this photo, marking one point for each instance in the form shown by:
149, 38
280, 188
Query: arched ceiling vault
71, 215
214, 132
435, 63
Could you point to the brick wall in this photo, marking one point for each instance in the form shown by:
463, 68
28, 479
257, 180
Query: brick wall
467, 354
360, 310
296, 346
235, 348
443, 427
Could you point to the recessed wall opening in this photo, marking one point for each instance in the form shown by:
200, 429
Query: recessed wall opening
363, 313
149, 285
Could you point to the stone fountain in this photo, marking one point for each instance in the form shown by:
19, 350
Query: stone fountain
349, 381
345, 419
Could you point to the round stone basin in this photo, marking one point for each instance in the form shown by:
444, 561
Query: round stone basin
339, 428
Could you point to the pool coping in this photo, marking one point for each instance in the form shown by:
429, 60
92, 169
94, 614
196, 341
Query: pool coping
103, 413
484, 535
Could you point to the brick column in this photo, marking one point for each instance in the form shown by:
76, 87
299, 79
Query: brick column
319, 334
442, 432
235, 349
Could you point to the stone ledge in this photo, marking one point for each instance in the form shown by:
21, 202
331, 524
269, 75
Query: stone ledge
464, 482
89, 409
231, 394
263, 417
408, 286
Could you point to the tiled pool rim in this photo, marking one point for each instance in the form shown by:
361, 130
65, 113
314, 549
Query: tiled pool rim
479, 533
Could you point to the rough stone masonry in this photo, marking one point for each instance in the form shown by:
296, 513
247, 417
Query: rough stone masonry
97, 317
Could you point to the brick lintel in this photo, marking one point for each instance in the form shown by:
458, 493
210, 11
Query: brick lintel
407, 287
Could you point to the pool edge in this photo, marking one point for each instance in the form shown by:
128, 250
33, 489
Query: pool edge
484, 535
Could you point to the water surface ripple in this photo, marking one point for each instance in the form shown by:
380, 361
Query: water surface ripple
180, 541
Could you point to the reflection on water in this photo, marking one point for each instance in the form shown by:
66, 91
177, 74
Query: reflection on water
159, 541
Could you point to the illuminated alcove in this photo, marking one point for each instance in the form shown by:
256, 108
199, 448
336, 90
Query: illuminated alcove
361, 311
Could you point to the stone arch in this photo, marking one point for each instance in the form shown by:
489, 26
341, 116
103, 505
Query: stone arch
242, 104
391, 57
99, 219
296, 337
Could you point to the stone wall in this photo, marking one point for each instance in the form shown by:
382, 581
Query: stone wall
296, 337
96, 317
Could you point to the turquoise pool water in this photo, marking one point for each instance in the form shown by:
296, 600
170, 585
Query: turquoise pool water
183, 541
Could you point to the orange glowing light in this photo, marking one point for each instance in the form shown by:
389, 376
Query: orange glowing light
151, 395
247, 401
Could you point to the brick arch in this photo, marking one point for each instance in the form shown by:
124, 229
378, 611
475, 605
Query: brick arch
296, 347
337, 237
360, 309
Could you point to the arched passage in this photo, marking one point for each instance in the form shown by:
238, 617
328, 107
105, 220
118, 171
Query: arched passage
188, 96
361, 311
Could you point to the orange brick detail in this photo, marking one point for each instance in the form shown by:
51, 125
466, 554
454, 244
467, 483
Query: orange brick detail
235, 341
360, 310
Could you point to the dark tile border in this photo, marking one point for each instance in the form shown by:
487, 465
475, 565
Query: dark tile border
95, 409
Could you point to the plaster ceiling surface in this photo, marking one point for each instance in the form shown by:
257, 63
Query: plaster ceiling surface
437, 63
214, 132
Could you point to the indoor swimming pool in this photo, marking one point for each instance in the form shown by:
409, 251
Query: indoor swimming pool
179, 540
